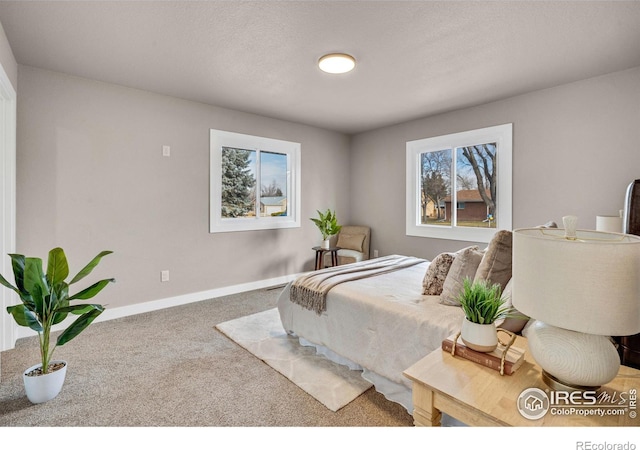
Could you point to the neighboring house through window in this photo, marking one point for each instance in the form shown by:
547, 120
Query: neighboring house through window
471, 170
255, 183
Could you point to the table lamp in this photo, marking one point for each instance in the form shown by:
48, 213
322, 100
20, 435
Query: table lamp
609, 223
581, 287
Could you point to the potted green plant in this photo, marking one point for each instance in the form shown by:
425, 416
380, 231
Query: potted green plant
46, 302
327, 223
482, 304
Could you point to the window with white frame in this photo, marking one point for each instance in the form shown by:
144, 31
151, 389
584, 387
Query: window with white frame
459, 185
255, 183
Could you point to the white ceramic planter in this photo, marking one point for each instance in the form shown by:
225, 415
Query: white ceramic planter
481, 338
326, 243
43, 388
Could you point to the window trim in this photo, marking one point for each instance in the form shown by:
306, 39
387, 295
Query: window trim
220, 139
502, 135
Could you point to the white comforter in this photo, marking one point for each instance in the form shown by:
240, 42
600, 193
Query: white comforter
382, 323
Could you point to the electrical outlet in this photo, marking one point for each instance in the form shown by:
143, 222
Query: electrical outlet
164, 275
375, 253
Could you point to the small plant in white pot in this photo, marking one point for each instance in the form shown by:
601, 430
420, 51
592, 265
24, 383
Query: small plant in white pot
327, 223
482, 304
46, 302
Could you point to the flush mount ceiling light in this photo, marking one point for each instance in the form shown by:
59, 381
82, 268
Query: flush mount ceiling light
337, 63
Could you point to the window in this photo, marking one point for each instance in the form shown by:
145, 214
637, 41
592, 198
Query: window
255, 183
469, 170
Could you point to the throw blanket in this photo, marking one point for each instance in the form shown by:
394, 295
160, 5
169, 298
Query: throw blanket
310, 291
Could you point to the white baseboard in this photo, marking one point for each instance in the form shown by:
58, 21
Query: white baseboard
155, 305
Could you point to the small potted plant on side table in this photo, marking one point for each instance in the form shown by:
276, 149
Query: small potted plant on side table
327, 223
482, 304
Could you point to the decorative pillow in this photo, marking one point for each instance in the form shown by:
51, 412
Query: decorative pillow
550, 224
351, 241
464, 265
495, 267
437, 273
513, 324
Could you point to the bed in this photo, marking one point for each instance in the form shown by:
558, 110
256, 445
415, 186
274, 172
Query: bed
383, 324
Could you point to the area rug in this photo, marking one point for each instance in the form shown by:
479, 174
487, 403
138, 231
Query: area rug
262, 334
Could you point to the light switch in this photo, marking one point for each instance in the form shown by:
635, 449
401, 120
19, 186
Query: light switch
166, 150
164, 275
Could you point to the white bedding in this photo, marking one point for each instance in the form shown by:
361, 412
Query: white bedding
383, 324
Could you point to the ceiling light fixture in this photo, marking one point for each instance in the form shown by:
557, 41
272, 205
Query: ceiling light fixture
337, 63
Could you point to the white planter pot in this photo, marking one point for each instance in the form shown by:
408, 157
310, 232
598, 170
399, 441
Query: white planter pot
326, 243
481, 338
43, 388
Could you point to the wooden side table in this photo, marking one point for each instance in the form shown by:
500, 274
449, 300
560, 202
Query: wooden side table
479, 396
320, 251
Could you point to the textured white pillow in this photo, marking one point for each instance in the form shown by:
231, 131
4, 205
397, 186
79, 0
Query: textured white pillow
433, 280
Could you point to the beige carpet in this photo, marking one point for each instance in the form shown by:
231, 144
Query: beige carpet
172, 368
262, 334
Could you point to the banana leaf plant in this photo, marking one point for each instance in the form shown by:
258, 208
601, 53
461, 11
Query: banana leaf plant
327, 223
46, 300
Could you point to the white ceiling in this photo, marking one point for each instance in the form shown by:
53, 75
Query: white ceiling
415, 58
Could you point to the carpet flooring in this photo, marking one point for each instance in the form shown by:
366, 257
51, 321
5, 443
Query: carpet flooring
172, 368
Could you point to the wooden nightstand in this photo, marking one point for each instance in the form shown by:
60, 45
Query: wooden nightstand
479, 396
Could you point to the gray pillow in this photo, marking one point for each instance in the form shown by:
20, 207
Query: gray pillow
495, 267
513, 324
464, 265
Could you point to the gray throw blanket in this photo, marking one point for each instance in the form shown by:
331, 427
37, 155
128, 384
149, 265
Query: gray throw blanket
310, 290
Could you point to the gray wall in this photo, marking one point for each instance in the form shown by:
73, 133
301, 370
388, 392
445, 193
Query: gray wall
91, 176
576, 147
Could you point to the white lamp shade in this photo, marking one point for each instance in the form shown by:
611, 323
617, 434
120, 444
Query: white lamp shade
590, 284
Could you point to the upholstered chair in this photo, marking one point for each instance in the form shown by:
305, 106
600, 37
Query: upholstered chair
353, 241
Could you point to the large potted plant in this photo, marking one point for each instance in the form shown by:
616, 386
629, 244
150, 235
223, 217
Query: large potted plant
482, 304
327, 223
46, 302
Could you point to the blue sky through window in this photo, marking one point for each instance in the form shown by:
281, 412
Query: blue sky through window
273, 168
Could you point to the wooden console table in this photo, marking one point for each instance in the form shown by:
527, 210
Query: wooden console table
320, 251
479, 396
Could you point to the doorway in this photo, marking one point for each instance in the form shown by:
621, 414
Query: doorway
7, 203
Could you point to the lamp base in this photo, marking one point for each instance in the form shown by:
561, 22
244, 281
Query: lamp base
559, 385
573, 358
